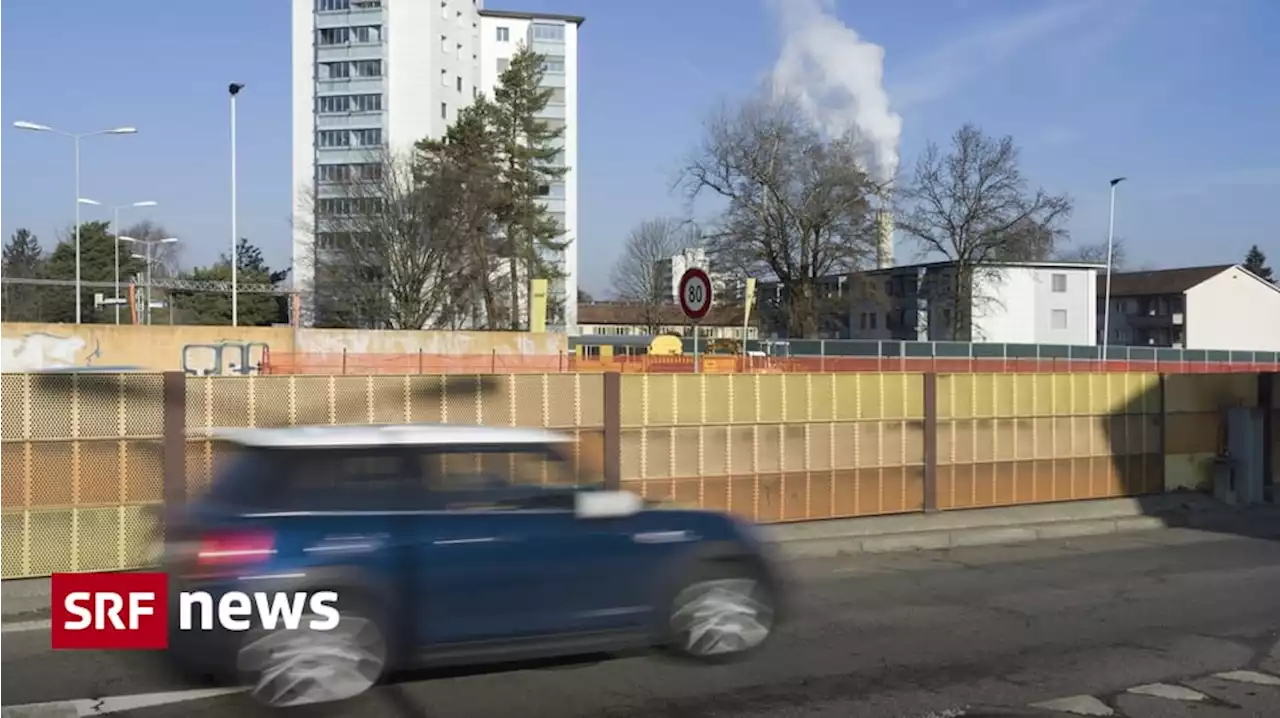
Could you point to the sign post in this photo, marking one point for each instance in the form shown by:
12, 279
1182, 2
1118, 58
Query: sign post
695, 302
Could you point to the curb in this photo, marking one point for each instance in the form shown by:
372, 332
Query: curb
958, 538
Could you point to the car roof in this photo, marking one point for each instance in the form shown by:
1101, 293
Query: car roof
372, 435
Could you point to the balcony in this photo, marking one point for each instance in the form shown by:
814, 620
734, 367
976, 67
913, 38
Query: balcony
349, 18
1154, 320
349, 85
349, 51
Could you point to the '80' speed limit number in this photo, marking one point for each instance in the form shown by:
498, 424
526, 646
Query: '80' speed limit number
695, 293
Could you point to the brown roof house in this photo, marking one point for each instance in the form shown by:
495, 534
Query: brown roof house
1223, 306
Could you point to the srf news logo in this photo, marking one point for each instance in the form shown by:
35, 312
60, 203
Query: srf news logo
112, 611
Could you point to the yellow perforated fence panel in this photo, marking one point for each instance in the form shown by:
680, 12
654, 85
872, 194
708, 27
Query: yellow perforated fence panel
81, 471
776, 447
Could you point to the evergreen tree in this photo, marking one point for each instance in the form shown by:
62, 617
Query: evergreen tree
529, 151
97, 264
1255, 261
23, 258
253, 308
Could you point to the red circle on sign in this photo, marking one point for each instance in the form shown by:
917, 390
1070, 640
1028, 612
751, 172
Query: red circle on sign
695, 293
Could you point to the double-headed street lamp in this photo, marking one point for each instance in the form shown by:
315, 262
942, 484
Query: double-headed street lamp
76, 137
115, 231
148, 243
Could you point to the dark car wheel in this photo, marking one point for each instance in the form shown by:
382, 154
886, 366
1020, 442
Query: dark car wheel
724, 612
296, 667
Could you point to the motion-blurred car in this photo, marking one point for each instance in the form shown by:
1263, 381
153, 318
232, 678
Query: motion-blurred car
452, 545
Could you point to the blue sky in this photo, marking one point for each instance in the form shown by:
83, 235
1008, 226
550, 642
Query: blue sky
1178, 95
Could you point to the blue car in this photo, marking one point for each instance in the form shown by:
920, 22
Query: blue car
444, 546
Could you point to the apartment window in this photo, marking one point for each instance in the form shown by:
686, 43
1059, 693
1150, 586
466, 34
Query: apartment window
335, 70
557, 96
366, 4
458, 51
332, 104
459, 20
874, 319
458, 83
366, 103
333, 36
444, 10
366, 34
553, 64
332, 5
475, 93
345, 206
1058, 319
367, 138
503, 64
333, 138
444, 44
553, 33
444, 110
444, 78
1059, 283
330, 174
504, 34
367, 68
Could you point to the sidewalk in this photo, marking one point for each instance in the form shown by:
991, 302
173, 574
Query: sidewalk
28, 599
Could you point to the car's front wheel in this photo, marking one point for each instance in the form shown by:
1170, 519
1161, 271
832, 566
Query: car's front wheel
293, 667
725, 612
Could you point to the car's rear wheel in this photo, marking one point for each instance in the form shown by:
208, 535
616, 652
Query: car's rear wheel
725, 612
285, 667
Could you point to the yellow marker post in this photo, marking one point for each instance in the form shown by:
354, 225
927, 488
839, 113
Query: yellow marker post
538, 306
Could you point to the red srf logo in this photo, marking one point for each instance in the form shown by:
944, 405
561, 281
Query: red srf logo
110, 610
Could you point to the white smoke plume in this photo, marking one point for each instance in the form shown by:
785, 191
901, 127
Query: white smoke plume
838, 79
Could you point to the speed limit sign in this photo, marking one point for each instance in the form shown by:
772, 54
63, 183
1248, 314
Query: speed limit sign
695, 293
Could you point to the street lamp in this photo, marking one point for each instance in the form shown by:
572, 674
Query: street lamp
148, 243
1106, 296
115, 229
75, 137
234, 88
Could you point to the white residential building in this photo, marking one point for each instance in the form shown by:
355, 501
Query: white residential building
669, 271
1012, 303
1223, 307
373, 73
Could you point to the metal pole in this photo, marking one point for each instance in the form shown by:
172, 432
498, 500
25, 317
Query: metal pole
1106, 296
235, 305
76, 139
148, 283
115, 230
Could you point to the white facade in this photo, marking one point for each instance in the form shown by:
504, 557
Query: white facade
1016, 303
1234, 310
392, 72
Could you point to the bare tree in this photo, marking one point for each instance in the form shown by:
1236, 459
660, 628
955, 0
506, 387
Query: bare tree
1097, 254
636, 276
166, 258
389, 249
797, 205
972, 206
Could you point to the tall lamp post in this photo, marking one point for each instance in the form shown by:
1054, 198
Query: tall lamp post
234, 88
75, 137
147, 244
1106, 296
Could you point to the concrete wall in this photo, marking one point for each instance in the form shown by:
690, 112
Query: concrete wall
32, 347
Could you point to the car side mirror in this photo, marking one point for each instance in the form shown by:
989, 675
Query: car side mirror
606, 504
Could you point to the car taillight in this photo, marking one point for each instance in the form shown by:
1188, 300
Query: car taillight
234, 549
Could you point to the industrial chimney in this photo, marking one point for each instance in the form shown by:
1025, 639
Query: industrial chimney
884, 239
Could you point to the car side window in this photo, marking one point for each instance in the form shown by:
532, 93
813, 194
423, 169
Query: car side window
497, 479
337, 480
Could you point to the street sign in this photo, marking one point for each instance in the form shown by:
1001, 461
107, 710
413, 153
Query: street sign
695, 293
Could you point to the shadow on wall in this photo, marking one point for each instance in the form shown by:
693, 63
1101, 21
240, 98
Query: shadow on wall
1197, 457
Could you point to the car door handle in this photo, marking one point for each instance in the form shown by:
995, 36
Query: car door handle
459, 541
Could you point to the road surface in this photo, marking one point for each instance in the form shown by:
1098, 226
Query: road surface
1135, 625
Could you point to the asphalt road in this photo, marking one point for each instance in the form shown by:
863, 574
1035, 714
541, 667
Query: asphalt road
976, 631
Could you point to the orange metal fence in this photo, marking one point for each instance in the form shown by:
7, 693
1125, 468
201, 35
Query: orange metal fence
496, 363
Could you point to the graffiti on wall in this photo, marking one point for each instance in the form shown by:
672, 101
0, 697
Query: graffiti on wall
40, 351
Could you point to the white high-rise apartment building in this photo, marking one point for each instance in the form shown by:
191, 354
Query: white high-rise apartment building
369, 73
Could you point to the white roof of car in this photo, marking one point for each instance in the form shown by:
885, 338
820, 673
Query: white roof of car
365, 435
